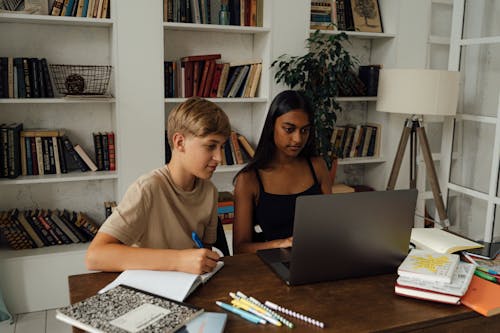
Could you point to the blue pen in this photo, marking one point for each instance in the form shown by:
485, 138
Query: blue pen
243, 314
196, 240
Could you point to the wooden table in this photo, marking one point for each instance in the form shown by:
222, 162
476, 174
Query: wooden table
356, 305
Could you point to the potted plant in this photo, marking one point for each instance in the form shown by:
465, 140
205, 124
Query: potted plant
325, 72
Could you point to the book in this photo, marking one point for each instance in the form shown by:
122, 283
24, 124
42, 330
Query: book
207, 322
85, 157
483, 297
125, 309
173, 285
426, 294
440, 241
458, 286
429, 265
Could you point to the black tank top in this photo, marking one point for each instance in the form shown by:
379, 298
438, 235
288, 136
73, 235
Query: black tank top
275, 212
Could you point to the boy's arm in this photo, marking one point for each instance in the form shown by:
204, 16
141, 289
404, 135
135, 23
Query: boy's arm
107, 253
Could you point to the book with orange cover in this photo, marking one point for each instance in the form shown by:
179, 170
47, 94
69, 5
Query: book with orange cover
483, 297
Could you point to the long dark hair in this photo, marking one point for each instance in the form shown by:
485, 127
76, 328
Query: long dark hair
284, 102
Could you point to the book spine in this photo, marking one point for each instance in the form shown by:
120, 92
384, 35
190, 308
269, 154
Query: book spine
98, 150
72, 153
62, 156
112, 151
66, 220
105, 151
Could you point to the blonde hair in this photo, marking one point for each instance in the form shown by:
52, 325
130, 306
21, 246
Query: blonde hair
199, 117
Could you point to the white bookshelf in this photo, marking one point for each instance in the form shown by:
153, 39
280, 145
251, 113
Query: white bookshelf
234, 43
36, 279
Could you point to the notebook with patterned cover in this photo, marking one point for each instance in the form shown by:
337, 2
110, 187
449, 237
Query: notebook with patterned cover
125, 309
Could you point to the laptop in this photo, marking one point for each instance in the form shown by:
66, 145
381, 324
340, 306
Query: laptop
339, 236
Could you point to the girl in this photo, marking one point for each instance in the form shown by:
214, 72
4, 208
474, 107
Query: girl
282, 169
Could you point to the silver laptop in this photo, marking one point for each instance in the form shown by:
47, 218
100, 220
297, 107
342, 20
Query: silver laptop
338, 236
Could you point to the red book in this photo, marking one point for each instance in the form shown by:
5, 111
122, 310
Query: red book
188, 78
216, 80
202, 57
210, 77
203, 80
111, 151
196, 77
426, 294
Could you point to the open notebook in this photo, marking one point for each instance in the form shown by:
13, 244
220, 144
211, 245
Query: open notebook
174, 285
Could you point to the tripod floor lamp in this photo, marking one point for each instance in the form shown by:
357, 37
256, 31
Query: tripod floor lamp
418, 92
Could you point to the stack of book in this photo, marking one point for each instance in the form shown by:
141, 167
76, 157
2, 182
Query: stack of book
434, 276
203, 76
225, 207
38, 228
25, 78
323, 15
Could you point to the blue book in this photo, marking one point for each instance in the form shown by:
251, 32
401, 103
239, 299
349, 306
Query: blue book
69, 9
85, 8
207, 322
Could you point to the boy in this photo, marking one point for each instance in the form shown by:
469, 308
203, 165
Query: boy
151, 227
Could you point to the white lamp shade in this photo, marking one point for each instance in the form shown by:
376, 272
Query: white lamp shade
418, 91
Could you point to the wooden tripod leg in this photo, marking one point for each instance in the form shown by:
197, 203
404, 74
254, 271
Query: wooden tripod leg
398, 159
433, 179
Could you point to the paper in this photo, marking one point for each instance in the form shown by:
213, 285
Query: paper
174, 285
140, 318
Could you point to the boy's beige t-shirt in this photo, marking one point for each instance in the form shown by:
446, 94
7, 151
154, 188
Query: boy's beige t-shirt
155, 213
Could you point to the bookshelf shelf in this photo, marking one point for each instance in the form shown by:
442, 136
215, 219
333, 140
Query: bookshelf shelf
361, 160
61, 100
67, 177
357, 34
214, 28
67, 249
229, 168
57, 20
357, 99
222, 100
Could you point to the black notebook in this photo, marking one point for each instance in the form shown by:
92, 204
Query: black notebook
125, 309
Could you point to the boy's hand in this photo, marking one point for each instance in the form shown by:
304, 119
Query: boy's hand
197, 261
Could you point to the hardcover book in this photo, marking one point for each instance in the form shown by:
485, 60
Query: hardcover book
457, 287
429, 265
125, 309
426, 294
483, 297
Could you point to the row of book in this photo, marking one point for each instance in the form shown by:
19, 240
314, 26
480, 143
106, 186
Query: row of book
336, 14
237, 150
38, 228
49, 151
202, 76
356, 140
81, 8
240, 12
442, 277
105, 152
25, 78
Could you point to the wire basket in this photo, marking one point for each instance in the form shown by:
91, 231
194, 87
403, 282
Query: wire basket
81, 79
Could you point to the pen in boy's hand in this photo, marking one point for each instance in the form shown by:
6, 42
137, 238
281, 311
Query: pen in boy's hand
196, 239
